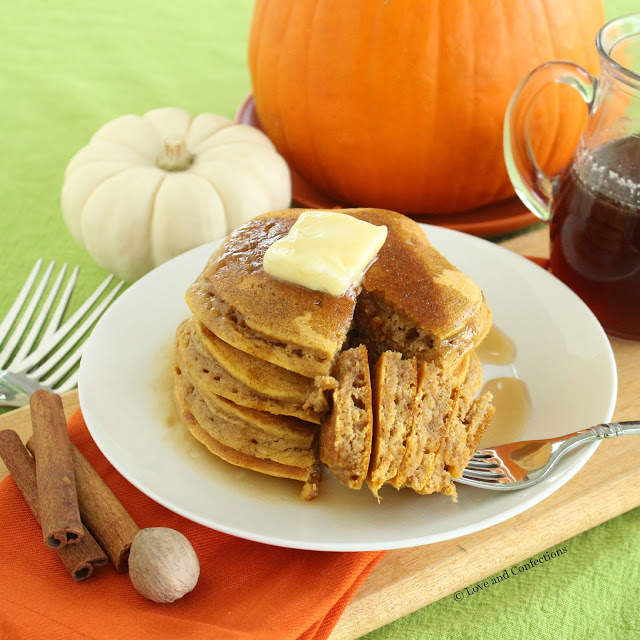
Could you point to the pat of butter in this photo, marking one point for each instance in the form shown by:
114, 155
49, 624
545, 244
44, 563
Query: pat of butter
325, 251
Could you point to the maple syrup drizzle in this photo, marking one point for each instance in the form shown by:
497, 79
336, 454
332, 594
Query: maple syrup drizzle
510, 395
513, 407
496, 348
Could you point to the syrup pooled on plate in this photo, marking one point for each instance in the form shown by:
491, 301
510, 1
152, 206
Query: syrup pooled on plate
510, 395
513, 407
496, 348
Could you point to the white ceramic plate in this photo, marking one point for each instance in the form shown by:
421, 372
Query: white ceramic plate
563, 356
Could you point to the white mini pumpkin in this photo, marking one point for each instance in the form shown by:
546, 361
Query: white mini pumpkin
146, 188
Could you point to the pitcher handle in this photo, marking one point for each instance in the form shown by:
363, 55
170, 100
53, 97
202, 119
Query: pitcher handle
532, 184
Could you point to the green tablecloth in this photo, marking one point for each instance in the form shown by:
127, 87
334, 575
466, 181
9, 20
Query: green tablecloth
65, 69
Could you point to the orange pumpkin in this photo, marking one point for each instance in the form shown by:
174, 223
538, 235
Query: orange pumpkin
400, 103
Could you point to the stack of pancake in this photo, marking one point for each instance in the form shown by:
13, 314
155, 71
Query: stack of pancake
377, 384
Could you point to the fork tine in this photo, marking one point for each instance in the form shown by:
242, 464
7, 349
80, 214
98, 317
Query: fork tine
60, 373
70, 383
488, 475
483, 453
17, 333
50, 363
482, 464
44, 312
53, 340
62, 305
13, 312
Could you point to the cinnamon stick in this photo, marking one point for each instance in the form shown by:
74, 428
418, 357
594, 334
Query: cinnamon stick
57, 497
101, 511
79, 559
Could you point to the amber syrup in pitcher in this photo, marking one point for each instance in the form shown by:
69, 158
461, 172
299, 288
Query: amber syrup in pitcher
595, 233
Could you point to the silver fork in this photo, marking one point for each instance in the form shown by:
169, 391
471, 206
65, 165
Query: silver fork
52, 363
519, 465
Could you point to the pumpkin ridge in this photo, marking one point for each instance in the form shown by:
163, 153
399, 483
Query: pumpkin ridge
247, 170
278, 90
502, 188
188, 129
229, 143
126, 142
439, 70
373, 172
95, 188
152, 211
324, 179
471, 59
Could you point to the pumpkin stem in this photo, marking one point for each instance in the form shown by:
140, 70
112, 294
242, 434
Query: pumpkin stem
175, 156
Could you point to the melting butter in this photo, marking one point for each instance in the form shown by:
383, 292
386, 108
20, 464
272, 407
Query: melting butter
325, 251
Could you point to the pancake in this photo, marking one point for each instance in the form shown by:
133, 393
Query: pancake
239, 459
470, 384
285, 450
263, 377
448, 451
211, 378
466, 433
394, 383
420, 435
293, 327
273, 444
292, 431
412, 299
345, 434
260, 359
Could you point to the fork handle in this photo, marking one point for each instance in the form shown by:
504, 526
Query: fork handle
613, 429
601, 431
12, 395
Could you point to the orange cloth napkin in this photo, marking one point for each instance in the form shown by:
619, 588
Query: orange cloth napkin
246, 590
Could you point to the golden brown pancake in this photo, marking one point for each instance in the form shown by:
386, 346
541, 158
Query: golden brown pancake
257, 361
212, 379
466, 433
415, 300
448, 451
245, 447
239, 459
293, 327
263, 377
345, 434
292, 431
412, 299
251, 441
394, 383
438, 398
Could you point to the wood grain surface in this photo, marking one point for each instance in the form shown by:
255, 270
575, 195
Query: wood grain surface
408, 579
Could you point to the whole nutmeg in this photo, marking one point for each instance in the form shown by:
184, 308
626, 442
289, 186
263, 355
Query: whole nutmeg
163, 566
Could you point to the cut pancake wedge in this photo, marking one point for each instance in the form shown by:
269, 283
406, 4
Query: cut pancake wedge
394, 382
345, 434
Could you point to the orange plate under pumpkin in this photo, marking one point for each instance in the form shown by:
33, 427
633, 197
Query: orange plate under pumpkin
489, 220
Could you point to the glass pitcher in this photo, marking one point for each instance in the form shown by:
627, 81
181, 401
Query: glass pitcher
593, 206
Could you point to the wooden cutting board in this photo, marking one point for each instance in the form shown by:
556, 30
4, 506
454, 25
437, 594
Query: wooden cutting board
408, 579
